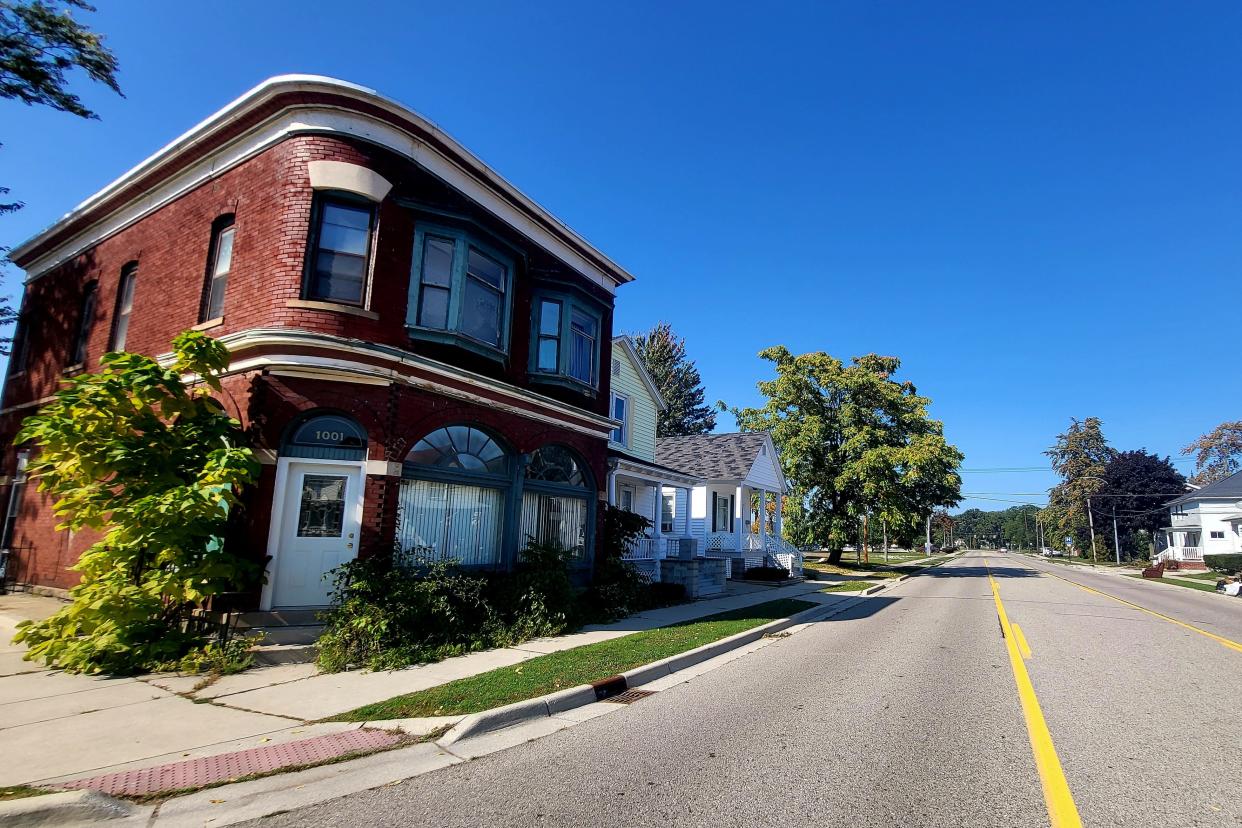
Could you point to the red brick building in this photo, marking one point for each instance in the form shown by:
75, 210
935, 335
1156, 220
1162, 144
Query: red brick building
419, 350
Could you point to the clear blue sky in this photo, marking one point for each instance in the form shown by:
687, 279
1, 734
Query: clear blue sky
1036, 208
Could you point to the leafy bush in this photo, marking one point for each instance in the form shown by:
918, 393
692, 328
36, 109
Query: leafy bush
767, 573
387, 616
215, 658
1230, 564
617, 589
156, 465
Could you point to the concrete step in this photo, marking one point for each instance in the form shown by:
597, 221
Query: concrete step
279, 618
270, 655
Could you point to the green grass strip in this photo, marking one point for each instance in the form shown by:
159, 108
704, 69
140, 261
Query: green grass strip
1203, 586
570, 668
848, 586
20, 792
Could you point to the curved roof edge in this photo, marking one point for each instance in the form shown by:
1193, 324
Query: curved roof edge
254, 99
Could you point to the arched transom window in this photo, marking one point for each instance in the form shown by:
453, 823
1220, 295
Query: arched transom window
460, 447
555, 464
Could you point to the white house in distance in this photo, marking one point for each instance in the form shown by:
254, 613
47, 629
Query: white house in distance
1207, 521
740, 473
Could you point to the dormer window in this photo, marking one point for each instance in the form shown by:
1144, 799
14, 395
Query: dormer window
460, 290
565, 340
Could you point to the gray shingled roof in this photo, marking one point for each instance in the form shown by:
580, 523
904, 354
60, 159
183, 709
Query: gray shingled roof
711, 456
1231, 486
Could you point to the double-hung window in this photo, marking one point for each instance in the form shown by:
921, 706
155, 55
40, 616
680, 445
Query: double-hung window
86, 319
340, 252
219, 263
621, 411
565, 340
124, 306
668, 509
459, 290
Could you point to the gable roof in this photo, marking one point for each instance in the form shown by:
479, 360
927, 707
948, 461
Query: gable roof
627, 345
712, 456
1230, 487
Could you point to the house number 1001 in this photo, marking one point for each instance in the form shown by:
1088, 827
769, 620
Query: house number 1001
334, 436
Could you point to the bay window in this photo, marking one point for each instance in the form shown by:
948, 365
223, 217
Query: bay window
459, 290
565, 340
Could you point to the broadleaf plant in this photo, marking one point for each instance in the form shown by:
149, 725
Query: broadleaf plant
143, 454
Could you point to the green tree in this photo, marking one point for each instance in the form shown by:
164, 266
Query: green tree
154, 465
664, 355
1137, 485
39, 43
1079, 456
1217, 453
853, 442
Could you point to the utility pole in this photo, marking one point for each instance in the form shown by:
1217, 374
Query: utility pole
927, 546
1116, 542
865, 556
886, 541
1091, 523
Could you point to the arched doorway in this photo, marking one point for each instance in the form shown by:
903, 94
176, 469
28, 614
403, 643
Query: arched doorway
316, 508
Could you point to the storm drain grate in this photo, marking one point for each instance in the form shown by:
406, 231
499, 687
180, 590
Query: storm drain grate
630, 696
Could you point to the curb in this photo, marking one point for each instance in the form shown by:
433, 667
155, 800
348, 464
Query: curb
562, 701
68, 808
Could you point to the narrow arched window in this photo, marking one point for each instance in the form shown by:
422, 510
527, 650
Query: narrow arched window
86, 320
451, 506
124, 306
219, 264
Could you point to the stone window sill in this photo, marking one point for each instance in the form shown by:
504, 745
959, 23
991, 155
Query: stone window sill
307, 304
71, 370
209, 324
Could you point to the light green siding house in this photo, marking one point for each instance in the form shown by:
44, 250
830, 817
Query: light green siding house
635, 482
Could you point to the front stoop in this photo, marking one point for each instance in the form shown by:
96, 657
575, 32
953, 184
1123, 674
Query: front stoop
289, 636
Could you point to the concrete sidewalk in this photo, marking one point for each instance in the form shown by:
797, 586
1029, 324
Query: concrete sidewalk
56, 726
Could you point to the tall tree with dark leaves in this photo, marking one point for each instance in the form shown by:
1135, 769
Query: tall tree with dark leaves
39, 43
1217, 454
664, 355
1137, 485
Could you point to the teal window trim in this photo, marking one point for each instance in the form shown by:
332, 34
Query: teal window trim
452, 332
569, 303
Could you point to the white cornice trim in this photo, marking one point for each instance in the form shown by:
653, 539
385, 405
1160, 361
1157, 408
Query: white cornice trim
344, 369
466, 172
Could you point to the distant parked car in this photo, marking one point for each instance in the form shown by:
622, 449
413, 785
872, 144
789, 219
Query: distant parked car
1003, 549
1048, 552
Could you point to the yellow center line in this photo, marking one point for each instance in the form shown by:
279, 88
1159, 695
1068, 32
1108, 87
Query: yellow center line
1233, 645
1021, 639
1062, 812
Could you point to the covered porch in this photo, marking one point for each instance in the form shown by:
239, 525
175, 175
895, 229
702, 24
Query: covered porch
743, 522
1182, 543
660, 495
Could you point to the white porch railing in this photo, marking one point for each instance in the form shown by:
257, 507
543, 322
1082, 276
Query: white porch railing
1181, 553
645, 549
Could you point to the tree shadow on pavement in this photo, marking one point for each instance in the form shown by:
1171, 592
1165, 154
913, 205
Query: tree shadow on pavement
1001, 571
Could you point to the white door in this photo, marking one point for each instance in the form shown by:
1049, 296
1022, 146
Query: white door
320, 520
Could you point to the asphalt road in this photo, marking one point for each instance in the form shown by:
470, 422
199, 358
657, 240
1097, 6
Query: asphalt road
902, 711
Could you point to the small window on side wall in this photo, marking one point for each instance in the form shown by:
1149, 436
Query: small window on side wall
340, 250
219, 264
86, 320
620, 411
124, 306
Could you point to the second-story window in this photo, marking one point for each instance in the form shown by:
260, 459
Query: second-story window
565, 340
86, 319
219, 263
459, 289
340, 251
621, 411
124, 306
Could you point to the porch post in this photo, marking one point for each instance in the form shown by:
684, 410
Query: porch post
763, 518
737, 516
657, 523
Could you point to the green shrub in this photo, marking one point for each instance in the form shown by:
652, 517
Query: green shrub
387, 616
155, 466
215, 658
1230, 564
